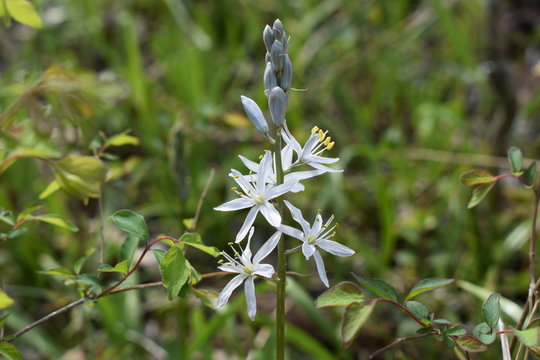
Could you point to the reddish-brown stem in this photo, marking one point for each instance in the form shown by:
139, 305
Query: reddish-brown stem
146, 249
402, 308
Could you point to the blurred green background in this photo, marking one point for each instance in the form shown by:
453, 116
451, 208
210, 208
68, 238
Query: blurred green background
414, 93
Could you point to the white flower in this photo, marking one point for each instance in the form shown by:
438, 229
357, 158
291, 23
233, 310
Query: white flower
257, 196
311, 153
271, 176
316, 236
247, 269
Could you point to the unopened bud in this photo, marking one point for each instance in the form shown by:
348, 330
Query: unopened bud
268, 57
278, 29
277, 102
287, 73
254, 113
284, 41
270, 80
277, 52
268, 37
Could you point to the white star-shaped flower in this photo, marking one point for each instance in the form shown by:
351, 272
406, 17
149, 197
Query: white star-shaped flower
247, 268
313, 237
257, 195
311, 153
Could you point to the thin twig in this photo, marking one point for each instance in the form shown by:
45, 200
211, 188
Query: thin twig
397, 342
534, 284
201, 199
49, 316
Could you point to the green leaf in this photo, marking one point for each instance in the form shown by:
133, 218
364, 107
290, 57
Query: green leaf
530, 174
471, 344
343, 294
194, 240
24, 12
57, 221
91, 281
80, 176
158, 254
58, 272
378, 287
27, 212
174, 272
530, 338
476, 177
5, 300
515, 157
456, 331
128, 248
7, 217
17, 232
478, 194
80, 263
427, 285
10, 352
491, 309
49, 190
122, 267
120, 140
131, 222
418, 309
354, 317
485, 333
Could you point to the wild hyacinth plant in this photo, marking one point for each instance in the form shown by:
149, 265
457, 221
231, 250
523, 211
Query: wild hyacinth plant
262, 189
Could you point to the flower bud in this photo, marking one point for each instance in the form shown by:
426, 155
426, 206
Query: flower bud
267, 57
254, 113
268, 37
278, 29
286, 74
285, 41
277, 102
270, 80
276, 52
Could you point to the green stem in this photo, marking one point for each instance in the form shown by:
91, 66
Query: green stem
282, 262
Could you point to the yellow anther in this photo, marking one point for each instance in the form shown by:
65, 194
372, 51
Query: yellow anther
330, 146
322, 135
315, 129
327, 141
260, 157
220, 261
234, 188
230, 243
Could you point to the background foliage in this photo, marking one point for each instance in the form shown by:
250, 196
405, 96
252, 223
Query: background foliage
414, 92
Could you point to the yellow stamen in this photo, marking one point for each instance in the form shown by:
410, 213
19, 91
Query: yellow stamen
230, 243
322, 135
327, 141
315, 129
330, 146
220, 261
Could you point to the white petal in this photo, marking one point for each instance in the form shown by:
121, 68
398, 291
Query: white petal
286, 157
251, 300
317, 226
246, 254
323, 168
230, 268
271, 214
321, 159
251, 165
250, 218
320, 268
295, 233
265, 270
242, 182
279, 190
335, 248
309, 145
235, 204
229, 288
265, 168
290, 140
297, 216
308, 249
302, 175
267, 247
297, 188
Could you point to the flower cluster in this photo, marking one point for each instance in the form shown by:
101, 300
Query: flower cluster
275, 175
